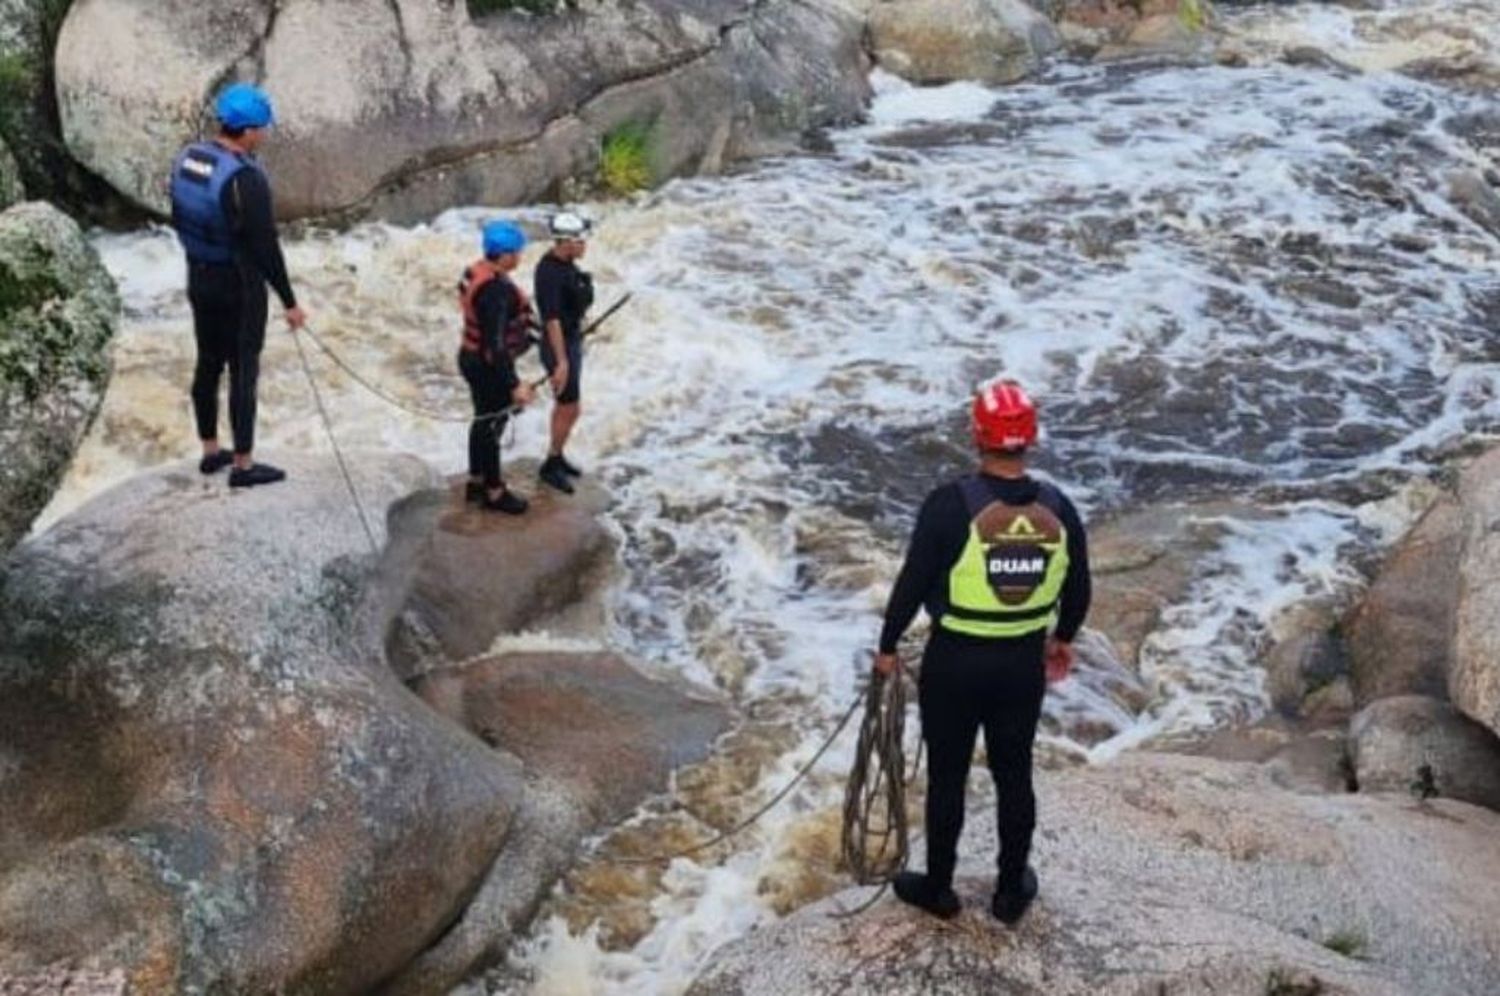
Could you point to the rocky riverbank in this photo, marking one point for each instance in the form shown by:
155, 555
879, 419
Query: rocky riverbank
214, 779
1343, 846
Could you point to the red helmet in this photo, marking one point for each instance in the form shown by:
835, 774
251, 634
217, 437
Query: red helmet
1004, 417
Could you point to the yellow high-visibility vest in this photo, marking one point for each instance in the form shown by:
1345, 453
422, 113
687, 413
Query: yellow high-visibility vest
1008, 579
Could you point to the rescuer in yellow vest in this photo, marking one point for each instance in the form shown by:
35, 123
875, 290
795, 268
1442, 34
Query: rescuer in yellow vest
1000, 561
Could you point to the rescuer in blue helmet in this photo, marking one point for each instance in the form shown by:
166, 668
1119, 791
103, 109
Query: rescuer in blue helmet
498, 323
221, 208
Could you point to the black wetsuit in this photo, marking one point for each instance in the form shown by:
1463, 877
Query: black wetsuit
970, 682
491, 380
563, 294
229, 305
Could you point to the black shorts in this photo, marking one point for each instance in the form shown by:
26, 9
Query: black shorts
574, 347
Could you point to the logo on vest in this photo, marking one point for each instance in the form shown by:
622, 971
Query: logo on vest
1015, 570
198, 167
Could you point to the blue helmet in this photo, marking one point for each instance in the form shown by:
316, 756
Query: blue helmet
241, 105
502, 237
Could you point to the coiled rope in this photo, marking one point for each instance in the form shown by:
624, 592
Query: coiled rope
875, 832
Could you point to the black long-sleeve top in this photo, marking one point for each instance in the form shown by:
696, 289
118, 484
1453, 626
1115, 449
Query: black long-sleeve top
494, 305
247, 204
938, 541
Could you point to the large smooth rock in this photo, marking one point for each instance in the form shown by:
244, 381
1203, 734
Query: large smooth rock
937, 41
28, 114
1400, 635
418, 106
1178, 876
210, 777
1111, 29
58, 309
1474, 678
603, 735
1425, 747
481, 575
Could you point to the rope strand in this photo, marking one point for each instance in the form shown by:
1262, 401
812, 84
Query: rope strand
337, 453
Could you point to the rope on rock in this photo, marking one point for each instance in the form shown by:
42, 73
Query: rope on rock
364, 520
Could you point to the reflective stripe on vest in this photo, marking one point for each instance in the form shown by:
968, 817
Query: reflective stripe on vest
516, 336
199, 176
1009, 578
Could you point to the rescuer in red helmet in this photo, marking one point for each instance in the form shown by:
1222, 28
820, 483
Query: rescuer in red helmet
1000, 561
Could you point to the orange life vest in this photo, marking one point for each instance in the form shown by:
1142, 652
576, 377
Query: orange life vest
516, 336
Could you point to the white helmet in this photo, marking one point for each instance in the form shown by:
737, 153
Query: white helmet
567, 225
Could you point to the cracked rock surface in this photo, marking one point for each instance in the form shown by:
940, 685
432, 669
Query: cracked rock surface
408, 107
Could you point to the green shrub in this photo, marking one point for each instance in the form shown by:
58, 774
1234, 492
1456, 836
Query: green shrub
625, 159
1193, 14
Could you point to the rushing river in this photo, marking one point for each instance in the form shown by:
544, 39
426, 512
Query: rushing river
1242, 282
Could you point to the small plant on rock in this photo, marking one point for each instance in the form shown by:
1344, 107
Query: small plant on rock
625, 159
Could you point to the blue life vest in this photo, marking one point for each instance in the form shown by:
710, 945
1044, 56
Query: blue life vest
198, 179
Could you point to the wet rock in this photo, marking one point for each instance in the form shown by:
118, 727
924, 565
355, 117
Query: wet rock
1142, 563
1473, 196
1312, 57
211, 779
1418, 745
1177, 875
499, 108
588, 719
1400, 635
1108, 30
1305, 656
1407, 242
597, 737
479, 575
1324, 290
937, 41
58, 310
1474, 677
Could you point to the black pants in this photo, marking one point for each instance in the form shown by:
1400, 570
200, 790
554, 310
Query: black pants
491, 393
229, 322
967, 684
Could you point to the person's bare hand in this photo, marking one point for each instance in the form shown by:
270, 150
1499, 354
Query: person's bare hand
1059, 660
296, 317
887, 664
522, 395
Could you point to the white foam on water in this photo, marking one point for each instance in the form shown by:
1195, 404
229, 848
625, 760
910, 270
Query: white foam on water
1380, 36
769, 409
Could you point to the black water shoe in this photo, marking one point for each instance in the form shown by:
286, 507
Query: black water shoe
552, 473
568, 466
215, 462
1009, 907
919, 891
509, 502
256, 473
